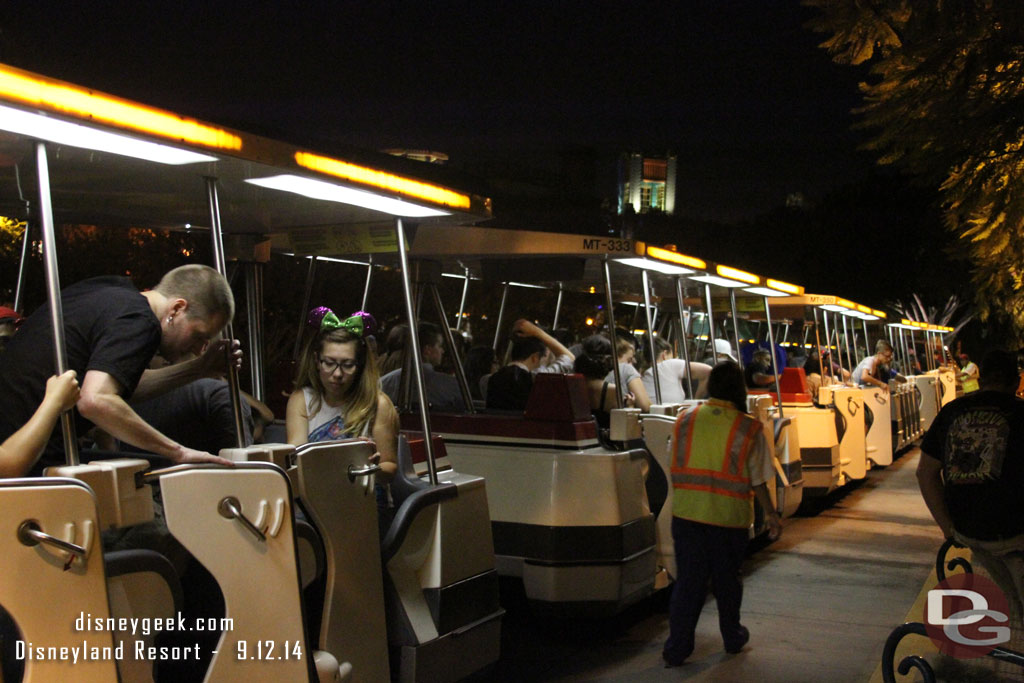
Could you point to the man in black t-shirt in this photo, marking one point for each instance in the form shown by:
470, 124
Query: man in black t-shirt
759, 373
971, 474
199, 415
112, 331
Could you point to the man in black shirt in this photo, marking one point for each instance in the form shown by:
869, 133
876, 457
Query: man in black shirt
112, 331
971, 473
759, 373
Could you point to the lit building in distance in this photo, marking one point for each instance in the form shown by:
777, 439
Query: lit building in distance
647, 183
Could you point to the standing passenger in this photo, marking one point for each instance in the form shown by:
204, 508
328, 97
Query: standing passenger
112, 331
672, 375
720, 455
632, 381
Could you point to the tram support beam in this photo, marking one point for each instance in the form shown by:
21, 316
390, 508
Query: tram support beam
228, 333
60, 351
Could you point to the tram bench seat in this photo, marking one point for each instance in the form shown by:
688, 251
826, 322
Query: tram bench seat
557, 410
793, 385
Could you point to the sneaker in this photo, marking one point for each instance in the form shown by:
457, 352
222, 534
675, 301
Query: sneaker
737, 647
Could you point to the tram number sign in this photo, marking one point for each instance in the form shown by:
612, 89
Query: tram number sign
595, 244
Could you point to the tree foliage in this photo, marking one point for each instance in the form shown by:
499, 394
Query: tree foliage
945, 101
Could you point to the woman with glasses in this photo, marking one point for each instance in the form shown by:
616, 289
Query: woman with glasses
338, 394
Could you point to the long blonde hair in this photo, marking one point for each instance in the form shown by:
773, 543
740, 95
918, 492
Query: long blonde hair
360, 398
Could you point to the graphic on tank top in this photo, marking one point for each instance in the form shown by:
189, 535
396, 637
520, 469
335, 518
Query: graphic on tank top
976, 443
329, 431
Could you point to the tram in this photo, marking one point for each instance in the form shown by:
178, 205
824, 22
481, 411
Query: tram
414, 606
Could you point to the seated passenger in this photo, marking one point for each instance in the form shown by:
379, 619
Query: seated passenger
594, 362
533, 351
199, 415
817, 360
337, 397
480, 365
9, 321
759, 373
394, 349
632, 382
20, 449
672, 375
724, 351
443, 391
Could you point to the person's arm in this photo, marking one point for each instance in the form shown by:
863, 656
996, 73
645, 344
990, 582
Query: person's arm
213, 363
101, 404
641, 399
21, 449
528, 329
929, 480
385, 436
773, 517
296, 421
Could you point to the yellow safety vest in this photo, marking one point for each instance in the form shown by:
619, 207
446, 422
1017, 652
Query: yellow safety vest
709, 465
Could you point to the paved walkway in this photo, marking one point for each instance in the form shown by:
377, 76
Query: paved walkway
819, 603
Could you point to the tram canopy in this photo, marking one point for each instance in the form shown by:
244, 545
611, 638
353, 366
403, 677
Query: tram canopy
102, 170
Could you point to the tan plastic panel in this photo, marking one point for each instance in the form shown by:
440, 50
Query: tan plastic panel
345, 512
45, 600
259, 579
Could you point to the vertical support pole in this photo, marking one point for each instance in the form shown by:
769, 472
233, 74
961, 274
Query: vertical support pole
846, 340
711, 323
736, 325
785, 331
462, 301
912, 357
817, 342
60, 352
681, 302
26, 240
366, 288
449, 340
558, 307
228, 333
839, 348
310, 277
650, 336
414, 346
501, 318
619, 389
904, 358
867, 340
775, 362
254, 313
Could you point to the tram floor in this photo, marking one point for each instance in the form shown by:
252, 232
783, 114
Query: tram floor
819, 603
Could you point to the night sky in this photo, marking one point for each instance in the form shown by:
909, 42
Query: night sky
737, 89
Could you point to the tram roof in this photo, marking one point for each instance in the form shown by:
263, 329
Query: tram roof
265, 186
793, 306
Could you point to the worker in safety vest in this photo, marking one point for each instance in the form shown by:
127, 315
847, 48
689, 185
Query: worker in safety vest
721, 460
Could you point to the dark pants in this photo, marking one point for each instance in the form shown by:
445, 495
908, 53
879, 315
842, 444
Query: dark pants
704, 551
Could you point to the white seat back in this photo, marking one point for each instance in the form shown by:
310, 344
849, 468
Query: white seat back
44, 593
344, 511
259, 578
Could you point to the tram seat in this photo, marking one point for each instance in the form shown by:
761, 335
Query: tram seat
141, 584
120, 501
263, 601
41, 590
556, 411
793, 385
344, 512
441, 588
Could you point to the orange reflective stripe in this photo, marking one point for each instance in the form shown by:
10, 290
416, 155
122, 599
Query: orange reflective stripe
686, 419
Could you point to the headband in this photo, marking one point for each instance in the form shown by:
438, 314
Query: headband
359, 323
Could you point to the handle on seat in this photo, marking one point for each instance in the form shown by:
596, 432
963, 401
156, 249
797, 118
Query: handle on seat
354, 471
230, 508
30, 534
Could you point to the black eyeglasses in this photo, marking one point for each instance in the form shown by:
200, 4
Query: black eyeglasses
329, 366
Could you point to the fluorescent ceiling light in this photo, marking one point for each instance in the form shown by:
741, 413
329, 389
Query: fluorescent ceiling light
528, 286
720, 281
459, 276
764, 291
76, 135
328, 258
834, 308
319, 189
647, 264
